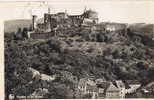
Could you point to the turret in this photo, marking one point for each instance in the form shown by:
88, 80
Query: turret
90, 14
34, 22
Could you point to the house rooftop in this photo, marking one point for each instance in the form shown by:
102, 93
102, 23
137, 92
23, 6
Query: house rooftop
92, 88
132, 82
83, 81
100, 80
119, 83
103, 85
151, 84
91, 82
112, 87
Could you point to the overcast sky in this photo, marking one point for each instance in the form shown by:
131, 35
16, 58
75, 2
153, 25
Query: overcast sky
127, 11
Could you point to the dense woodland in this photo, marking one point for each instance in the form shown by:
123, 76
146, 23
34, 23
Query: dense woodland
125, 59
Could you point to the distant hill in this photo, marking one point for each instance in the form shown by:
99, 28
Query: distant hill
142, 27
13, 25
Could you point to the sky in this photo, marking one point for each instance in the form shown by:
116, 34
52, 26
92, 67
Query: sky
127, 11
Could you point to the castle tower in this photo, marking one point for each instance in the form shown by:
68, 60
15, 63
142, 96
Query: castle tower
34, 25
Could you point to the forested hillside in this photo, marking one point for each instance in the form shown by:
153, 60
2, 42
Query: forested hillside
122, 58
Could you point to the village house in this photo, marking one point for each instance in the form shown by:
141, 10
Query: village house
88, 86
112, 91
100, 80
47, 77
82, 85
34, 72
100, 88
43, 77
39, 92
40, 77
92, 89
133, 85
121, 86
69, 76
149, 88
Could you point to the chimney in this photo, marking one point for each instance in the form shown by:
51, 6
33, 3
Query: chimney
34, 22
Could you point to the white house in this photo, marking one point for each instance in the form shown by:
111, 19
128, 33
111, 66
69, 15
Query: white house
121, 87
34, 72
47, 77
133, 86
